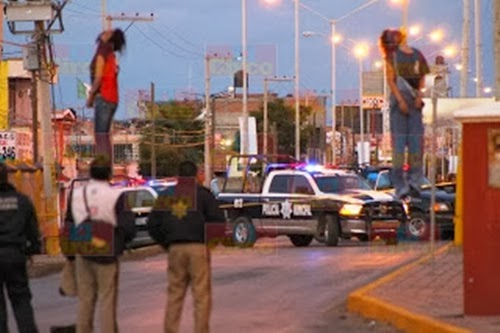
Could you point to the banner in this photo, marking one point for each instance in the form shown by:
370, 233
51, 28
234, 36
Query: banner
7, 146
4, 95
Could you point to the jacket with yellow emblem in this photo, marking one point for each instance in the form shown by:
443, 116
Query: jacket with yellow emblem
175, 219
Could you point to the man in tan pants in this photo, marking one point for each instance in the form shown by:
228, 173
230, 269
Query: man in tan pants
100, 212
188, 264
178, 224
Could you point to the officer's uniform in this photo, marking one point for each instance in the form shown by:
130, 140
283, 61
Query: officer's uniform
19, 238
183, 234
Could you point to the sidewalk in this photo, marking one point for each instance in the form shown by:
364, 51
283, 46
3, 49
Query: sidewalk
48, 264
424, 296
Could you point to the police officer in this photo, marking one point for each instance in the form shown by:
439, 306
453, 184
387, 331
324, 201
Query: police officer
177, 222
19, 240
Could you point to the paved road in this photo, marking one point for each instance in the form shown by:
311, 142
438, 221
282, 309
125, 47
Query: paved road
273, 287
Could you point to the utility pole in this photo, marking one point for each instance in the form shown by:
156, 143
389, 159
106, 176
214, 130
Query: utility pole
244, 137
496, 34
43, 14
479, 55
465, 49
126, 18
208, 125
265, 109
153, 131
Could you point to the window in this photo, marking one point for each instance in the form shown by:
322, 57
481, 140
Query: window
300, 185
279, 184
290, 184
139, 199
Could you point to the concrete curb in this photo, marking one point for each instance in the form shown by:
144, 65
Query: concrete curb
368, 306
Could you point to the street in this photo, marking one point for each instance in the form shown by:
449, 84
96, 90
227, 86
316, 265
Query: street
273, 287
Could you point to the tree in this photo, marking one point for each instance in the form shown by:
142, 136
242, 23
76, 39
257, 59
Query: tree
177, 137
282, 118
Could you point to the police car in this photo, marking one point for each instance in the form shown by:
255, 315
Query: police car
304, 202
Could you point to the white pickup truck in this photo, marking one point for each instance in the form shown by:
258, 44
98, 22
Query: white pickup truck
305, 203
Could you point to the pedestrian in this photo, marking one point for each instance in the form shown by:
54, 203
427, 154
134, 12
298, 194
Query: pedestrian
19, 240
406, 68
100, 205
103, 95
179, 222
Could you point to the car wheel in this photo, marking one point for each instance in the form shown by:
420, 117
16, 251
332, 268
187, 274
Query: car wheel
363, 238
417, 227
301, 240
332, 231
244, 234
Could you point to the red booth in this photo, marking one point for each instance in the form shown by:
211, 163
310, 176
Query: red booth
481, 208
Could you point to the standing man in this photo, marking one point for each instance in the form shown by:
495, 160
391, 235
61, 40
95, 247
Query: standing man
103, 95
406, 68
99, 205
178, 223
19, 240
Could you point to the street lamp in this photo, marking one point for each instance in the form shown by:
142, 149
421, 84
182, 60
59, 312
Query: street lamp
297, 81
405, 5
333, 38
361, 51
244, 128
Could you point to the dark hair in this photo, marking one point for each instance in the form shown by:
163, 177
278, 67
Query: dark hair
118, 40
3, 173
100, 168
389, 41
188, 169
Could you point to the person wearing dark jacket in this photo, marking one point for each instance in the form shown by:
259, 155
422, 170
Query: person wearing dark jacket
178, 222
19, 240
105, 212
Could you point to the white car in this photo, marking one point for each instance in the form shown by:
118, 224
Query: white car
141, 200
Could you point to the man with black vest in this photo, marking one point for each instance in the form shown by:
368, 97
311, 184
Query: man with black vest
19, 240
179, 222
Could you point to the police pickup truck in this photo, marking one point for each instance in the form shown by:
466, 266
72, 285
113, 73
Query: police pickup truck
304, 202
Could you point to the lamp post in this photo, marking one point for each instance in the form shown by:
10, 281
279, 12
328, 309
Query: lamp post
360, 51
333, 97
297, 81
244, 127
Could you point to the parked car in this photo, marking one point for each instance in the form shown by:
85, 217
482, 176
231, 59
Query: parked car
141, 200
418, 226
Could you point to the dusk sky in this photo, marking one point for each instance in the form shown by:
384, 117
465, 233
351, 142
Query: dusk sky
169, 51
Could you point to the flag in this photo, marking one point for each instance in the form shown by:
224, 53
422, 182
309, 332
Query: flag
83, 89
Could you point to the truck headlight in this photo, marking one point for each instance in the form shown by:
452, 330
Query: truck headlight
350, 209
441, 207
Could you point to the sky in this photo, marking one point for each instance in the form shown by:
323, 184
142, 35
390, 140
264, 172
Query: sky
169, 50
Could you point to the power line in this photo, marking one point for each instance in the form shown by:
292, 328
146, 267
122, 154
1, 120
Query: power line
181, 37
175, 44
158, 44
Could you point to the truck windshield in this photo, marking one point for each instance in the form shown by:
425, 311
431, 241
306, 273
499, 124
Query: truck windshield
341, 183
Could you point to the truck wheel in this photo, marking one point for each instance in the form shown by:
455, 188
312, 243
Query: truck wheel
391, 241
332, 231
301, 240
417, 227
244, 234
